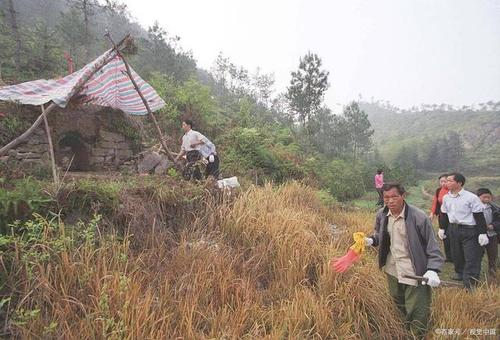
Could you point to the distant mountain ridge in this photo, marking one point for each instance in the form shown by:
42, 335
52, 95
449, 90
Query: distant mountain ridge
479, 130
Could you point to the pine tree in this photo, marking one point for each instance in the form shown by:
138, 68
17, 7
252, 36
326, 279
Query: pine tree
359, 130
307, 88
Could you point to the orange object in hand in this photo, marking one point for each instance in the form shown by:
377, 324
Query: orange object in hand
354, 253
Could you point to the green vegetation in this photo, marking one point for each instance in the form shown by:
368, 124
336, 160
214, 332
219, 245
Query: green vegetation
259, 134
437, 137
19, 199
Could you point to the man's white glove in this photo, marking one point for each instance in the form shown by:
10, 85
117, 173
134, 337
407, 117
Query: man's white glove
483, 239
368, 241
211, 158
441, 234
432, 278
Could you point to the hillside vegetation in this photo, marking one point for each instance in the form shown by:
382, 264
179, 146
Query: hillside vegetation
411, 135
260, 134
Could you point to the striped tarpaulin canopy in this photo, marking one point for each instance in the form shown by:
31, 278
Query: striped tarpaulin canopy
110, 86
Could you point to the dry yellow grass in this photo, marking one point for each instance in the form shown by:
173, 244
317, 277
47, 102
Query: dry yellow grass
256, 267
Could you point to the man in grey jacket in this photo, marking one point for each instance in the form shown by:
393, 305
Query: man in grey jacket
407, 246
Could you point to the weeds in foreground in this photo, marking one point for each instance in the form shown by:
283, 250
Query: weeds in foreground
252, 267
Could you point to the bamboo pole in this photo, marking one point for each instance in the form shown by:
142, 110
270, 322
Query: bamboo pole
51, 148
78, 86
150, 113
28, 132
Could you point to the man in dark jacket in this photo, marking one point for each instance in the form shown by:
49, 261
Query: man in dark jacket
492, 216
408, 246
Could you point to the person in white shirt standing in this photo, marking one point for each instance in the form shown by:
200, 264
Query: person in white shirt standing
462, 213
194, 145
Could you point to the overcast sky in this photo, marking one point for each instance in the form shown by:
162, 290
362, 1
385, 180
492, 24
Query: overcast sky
406, 51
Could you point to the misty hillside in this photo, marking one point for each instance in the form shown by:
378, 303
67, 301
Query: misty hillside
260, 134
479, 131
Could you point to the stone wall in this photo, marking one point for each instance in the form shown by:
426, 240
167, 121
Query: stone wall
99, 144
111, 149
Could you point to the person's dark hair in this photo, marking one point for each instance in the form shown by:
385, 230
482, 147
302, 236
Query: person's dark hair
392, 185
379, 171
443, 175
458, 177
188, 122
482, 191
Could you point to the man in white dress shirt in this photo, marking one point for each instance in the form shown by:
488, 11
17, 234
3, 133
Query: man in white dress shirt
462, 212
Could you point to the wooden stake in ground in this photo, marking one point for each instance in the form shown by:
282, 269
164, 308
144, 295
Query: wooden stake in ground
78, 86
51, 147
146, 105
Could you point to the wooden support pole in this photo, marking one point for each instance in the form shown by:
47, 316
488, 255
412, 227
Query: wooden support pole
28, 132
78, 86
51, 148
146, 105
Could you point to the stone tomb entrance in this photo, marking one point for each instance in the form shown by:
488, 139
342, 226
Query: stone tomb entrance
85, 138
73, 153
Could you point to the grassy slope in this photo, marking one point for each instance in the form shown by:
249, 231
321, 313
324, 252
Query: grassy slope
254, 267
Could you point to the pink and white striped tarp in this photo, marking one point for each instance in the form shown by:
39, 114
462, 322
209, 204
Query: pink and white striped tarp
110, 86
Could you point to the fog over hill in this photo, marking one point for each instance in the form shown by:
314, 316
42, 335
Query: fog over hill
478, 126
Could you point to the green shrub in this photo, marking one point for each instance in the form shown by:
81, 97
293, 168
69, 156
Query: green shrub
250, 151
20, 199
344, 181
90, 194
10, 127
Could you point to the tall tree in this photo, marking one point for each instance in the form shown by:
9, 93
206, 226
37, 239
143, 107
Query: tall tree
230, 76
330, 133
88, 9
71, 29
455, 150
44, 56
359, 130
307, 88
263, 86
407, 156
432, 157
158, 53
15, 33
115, 7
7, 65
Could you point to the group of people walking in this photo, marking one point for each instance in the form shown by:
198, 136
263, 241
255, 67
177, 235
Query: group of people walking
469, 226
409, 252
